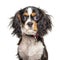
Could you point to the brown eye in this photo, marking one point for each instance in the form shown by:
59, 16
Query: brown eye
25, 18
36, 18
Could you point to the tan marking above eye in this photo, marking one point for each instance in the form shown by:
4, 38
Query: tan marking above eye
19, 17
33, 14
26, 14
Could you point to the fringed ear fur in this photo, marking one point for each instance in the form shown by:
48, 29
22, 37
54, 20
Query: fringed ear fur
44, 24
16, 24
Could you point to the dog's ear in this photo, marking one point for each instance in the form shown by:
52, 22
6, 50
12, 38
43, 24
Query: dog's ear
16, 22
44, 23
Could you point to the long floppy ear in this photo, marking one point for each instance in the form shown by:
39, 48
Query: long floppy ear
16, 22
44, 24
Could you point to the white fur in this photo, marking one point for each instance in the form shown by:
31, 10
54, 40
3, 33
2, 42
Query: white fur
28, 32
29, 11
29, 49
28, 20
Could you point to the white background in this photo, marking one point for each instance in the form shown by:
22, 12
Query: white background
8, 43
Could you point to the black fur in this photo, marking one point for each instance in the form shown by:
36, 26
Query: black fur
16, 24
19, 56
45, 53
44, 24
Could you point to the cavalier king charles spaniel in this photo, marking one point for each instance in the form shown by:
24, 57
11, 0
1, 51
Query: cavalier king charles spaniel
30, 24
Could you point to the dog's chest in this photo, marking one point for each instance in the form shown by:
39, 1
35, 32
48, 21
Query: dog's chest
29, 49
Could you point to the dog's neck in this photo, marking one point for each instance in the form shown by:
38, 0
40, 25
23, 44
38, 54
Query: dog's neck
30, 37
30, 48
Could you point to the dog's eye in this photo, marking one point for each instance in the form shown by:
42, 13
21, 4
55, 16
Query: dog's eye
25, 18
36, 18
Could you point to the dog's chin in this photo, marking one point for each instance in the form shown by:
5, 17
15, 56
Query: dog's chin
28, 32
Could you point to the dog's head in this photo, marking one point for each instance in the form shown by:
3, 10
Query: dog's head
30, 21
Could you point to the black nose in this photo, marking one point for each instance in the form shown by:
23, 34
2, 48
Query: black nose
30, 24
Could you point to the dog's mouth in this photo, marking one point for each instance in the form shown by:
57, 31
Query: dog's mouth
28, 31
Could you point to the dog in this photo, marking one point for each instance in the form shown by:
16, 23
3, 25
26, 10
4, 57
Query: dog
30, 24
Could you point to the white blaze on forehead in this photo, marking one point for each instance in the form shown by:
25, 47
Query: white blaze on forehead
29, 11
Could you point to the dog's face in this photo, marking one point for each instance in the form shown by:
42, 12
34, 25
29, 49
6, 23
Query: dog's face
31, 20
